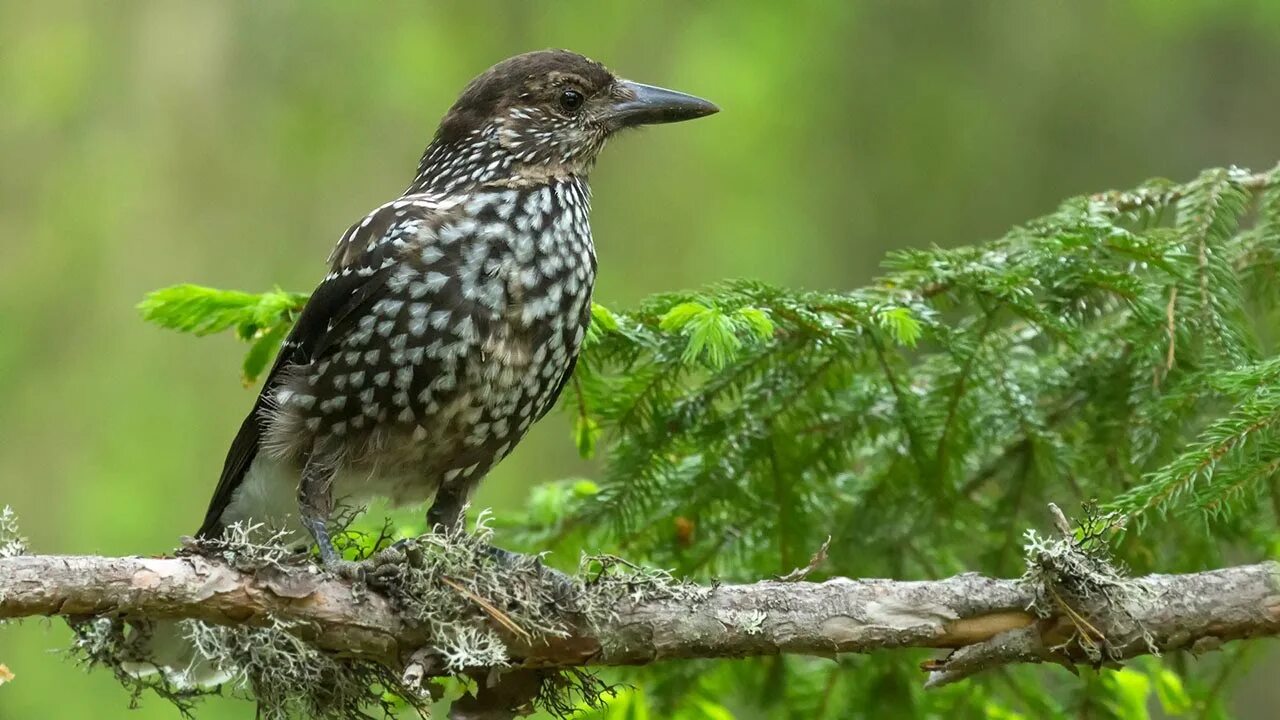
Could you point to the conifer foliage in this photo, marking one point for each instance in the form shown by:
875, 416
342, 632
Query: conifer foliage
1118, 352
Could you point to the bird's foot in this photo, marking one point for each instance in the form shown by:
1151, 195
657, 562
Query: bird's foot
331, 561
392, 559
563, 586
352, 570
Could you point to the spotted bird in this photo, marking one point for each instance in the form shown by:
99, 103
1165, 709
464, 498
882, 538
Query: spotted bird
451, 317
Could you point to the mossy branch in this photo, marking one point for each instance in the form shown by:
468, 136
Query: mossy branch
987, 621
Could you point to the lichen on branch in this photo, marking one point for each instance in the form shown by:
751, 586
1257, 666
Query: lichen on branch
446, 605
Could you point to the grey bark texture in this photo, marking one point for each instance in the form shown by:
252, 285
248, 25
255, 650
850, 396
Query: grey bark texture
986, 622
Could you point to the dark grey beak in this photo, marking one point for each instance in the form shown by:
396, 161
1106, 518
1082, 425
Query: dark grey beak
649, 105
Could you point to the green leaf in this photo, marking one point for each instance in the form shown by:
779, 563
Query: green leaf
603, 322
603, 318
681, 315
900, 324
203, 311
585, 488
757, 321
261, 352
712, 337
262, 319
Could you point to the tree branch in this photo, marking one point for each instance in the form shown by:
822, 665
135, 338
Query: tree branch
986, 621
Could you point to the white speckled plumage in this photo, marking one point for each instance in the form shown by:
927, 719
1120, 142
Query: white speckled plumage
471, 359
450, 317
443, 361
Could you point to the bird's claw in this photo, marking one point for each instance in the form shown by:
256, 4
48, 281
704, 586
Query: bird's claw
389, 561
332, 562
563, 585
354, 571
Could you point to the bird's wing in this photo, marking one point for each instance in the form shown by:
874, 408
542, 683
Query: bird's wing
360, 265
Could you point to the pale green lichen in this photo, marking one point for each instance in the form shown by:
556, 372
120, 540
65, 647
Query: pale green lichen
465, 594
611, 579
289, 677
472, 648
251, 546
12, 544
1075, 575
110, 643
750, 622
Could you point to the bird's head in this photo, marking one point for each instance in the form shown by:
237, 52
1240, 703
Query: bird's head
541, 115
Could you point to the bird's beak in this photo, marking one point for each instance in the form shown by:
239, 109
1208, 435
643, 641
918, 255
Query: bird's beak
639, 104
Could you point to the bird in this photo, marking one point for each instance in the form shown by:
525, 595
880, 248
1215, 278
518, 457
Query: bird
451, 317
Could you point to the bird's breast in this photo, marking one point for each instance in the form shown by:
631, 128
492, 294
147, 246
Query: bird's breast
466, 345
544, 266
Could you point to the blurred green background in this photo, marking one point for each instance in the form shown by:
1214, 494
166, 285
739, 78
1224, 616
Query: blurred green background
152, 142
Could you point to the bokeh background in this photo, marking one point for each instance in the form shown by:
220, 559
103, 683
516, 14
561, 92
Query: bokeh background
147, 143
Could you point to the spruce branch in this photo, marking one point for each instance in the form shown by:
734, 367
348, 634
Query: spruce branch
1122, 347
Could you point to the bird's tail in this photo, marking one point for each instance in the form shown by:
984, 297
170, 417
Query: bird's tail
168, 649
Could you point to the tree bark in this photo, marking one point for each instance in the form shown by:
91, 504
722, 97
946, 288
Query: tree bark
985, 621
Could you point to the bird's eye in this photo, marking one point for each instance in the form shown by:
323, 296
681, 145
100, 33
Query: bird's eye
571, 100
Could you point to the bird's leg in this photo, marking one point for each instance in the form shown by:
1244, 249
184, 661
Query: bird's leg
445, 514
446, 509
315, 506
442, 516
